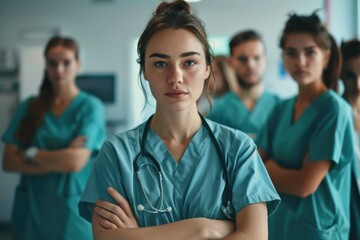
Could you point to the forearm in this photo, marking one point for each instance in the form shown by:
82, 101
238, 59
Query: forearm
64, 160
285, 180
251, 223
196, 228
14, 161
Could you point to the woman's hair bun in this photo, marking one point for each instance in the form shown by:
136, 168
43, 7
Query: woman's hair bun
176, 6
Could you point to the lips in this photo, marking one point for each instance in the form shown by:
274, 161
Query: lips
175, 93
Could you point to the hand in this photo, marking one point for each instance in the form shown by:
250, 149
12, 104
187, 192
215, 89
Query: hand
115, 216
78, 142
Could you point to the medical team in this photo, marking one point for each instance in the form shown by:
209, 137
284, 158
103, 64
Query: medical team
180, 175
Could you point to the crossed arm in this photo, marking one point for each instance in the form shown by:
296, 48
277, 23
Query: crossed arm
71, 159
301, 182
112, 221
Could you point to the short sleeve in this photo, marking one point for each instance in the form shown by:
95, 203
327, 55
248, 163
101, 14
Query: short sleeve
93, 125
105, 174
9, 134
332, 134
251, 182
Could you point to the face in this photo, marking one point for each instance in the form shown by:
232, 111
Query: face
304, 59
248, 61
175, 68
351, 76
61, 66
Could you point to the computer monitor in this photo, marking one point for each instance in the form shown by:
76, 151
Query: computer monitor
100, 85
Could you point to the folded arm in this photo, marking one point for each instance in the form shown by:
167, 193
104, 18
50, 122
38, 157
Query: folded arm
112, 221
14, 161
71, 159
299, 182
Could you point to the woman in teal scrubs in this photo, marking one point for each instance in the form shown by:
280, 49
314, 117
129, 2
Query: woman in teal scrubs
307, 142
166, 178
50, 141
350, 75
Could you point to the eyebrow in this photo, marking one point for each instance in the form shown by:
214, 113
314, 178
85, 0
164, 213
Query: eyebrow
185, 54
306, 48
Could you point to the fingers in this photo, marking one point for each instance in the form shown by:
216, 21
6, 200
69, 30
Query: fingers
108, 214
78, 142
121, 201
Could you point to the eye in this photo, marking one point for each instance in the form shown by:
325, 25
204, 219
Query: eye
291, 53
190, 63
67, 63
242, 59
160, 64
350, 75
310, 52
52, 63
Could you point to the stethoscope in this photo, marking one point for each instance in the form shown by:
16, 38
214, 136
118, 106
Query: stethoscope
227, 208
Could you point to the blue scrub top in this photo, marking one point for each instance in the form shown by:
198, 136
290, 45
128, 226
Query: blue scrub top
45, 205
192, 188
231, 111
324, 131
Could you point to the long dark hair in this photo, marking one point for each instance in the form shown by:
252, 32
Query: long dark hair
174, 15
311, 24
38, 106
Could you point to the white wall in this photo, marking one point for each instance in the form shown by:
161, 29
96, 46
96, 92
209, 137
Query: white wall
106, 33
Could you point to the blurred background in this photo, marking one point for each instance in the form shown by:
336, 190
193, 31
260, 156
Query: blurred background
107, 32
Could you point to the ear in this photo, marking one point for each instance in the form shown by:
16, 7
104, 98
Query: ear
207, 72
145, 75
232, 61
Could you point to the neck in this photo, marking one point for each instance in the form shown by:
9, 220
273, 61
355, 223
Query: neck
178, 126
66, 94
249, 96
308, 93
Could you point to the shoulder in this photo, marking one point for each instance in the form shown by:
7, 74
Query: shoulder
88, 103
127, 139
228, 136
271, 96
331, 103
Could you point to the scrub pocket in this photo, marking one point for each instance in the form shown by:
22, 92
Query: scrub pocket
300, 230
20, 213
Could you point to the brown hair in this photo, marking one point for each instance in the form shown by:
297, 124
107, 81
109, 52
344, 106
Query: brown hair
311, 24
245, 36
173, 15
38, 106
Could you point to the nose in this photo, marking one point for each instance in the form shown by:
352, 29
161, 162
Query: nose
301, 60
175, 76
59, 68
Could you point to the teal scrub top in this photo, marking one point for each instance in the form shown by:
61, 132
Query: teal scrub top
229, 110
45, 205
192, 188
324, 131
355, 191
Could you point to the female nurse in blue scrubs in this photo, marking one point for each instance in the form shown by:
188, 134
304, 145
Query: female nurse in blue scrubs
307, 143
350, 76
50, 141
178, 176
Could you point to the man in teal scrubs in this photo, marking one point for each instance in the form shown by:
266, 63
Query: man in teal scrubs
248, 107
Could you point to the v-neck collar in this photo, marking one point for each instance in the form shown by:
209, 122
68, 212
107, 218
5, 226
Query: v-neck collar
68, 108
178, 171
309, 110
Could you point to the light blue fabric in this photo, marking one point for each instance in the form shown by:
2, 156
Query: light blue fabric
229, 110
46, 204
355, 191
193, 187
324, 131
